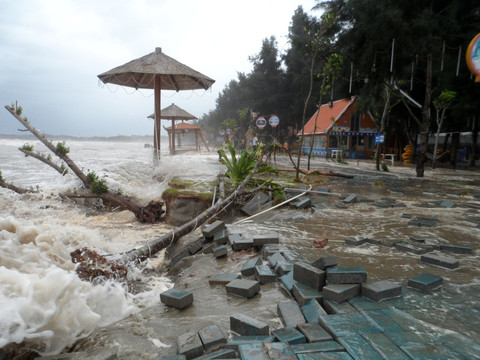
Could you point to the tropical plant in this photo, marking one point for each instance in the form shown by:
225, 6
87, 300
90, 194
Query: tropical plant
27, 147
239, 168
62, 149
97, 185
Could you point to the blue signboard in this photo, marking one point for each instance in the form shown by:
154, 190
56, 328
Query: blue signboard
379, 139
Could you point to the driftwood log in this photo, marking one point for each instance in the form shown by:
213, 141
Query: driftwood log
14, 188
146, 214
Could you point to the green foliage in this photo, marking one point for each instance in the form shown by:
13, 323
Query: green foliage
445, 99
19, 110
62, 149
239, 168
63, 167
27, 147
1, 177
97, 185
385, 167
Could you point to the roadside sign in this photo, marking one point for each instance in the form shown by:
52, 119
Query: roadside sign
273, 121
261, 122
379, 139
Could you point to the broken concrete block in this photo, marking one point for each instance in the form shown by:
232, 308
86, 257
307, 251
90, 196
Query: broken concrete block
220, 251
177, 298
304, 293
196, 246
264, 274
259, 202
274, 259
247, 326
243, 242
350, 199
220, 237
289, 335
325, 262
314, 332
457, 249
190, 345
210, 229
243, 287
223, 279
412, 248
309, 275
441, 261
248, 268
447, 203
290, 313
287, 281
262, 240
346, 275
381, 290
283, 268
340, 292
425, 282
212, 337
312, 310
280, 351
355, 241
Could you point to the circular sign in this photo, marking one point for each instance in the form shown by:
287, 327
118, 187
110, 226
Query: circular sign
473, 57
261, 122
273, 121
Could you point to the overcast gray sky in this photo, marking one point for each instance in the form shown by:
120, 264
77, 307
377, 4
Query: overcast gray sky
51, 52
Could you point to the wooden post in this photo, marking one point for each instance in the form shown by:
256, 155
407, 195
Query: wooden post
173, 137
157, 129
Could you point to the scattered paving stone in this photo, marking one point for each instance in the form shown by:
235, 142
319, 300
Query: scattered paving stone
417, 239
208, 248
448, 203
262, 240
358, 348
244, 242
407, 216
388, 242
196, 246
304, 293
172, 357
292, 256
346, 275
362, 304
179, 256
312, 310
340, 308
325, 262
355, 241
318, 347
290, 313
309, 275
441, 261
243, 287
220, 251
219, 354
223, 279
247, 326
428, 351
457, 249
282, 268
350, 199
209, 230
264, 274
269, 250
340, 325
340, 292
280, 351
412, 248
425, 282
190, 345
248, 268
287, 281
423, 221
385, 347
382, 321
259, 202
274, 259
212, 337
314, 332
340, 205
474, 219
233, 238
252, 351
177, 298
381, 290
301, 203
289, 335
220, 237
238, 340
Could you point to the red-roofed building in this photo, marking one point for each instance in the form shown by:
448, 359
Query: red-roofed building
337, 126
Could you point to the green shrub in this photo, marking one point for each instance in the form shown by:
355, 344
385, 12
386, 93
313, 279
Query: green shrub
97, 185
62, 149
27, 147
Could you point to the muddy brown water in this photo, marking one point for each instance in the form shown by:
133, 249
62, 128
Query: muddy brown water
453, 308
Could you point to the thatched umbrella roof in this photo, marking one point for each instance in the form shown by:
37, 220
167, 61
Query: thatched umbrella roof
157, 71
173, 112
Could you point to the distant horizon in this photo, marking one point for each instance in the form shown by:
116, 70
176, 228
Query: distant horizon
28, 135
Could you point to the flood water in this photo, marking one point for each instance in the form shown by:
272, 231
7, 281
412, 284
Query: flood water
40, 230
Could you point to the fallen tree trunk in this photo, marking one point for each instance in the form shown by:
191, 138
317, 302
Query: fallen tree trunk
14, 188
145, 214
44, 160
149, 249
318, 172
